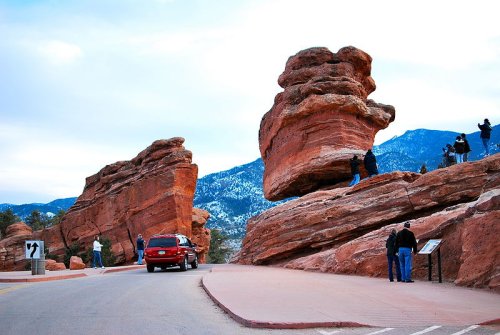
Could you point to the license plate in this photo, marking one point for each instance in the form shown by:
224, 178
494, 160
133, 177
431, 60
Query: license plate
161, 252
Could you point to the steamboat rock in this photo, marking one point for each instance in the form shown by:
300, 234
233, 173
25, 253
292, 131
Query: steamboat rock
150, 194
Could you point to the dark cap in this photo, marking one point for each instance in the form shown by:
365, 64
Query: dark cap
407, 225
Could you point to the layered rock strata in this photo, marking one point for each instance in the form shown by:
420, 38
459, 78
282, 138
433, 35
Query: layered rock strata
150, 194
320, 120
344, 230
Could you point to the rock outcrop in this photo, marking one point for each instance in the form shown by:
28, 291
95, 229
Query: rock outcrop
201, 235
150, 194
320, 120
12, 253
343, 230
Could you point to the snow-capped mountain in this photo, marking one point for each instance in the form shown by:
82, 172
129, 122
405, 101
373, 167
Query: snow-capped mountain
50, 208
232, 197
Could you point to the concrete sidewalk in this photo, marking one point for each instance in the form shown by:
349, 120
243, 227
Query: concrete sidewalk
27, 277
267, 297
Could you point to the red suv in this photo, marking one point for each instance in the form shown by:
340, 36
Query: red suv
169, 250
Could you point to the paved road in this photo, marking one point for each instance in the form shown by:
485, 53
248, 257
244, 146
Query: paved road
137, 302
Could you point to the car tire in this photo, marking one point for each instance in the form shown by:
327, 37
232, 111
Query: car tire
184, 264
150, 268
194, 264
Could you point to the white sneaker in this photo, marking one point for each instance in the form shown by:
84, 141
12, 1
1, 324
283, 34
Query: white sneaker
95, 267
102, 267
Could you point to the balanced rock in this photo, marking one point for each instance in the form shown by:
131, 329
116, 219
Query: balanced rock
344, 230
320, 120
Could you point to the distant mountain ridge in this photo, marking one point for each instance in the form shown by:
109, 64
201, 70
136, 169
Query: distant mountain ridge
235, 195
50, 208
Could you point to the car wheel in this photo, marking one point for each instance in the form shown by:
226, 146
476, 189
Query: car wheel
150, 268
184, 264
194, 264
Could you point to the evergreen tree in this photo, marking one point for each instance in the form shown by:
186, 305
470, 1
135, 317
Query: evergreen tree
423, 169
219, 251
6, 219
37, 220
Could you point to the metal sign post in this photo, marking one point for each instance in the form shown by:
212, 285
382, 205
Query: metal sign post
428, 249
35, 252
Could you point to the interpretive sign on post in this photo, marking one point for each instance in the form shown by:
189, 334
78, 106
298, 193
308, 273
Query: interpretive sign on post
428, 249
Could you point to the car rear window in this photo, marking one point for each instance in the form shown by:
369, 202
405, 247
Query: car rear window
162, 242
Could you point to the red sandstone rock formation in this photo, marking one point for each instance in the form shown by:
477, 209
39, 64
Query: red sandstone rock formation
319, 121
12, 253
201, 235
344, 230
76, 263
151, 194
52, 265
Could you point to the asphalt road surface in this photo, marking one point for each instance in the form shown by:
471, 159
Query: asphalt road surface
137, 302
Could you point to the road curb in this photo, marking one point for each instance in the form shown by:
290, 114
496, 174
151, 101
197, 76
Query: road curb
41, 279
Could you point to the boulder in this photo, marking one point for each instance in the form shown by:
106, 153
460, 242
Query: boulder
52, 265
76, 263
343, 230
320, 120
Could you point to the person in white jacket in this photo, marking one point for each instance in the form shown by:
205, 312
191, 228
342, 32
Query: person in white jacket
97, 252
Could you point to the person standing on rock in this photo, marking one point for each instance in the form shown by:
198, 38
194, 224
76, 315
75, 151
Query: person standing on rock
467, 148
370, 163
97, 252
459, 146
392, 256
140, 249
405, 242
485, 135
354, 170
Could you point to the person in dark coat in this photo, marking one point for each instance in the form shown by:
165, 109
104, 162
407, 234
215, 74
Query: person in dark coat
459, 147
485, 135
392, 256
405, 242
354, 170
140, 249
370, 163
449, 155
467, 148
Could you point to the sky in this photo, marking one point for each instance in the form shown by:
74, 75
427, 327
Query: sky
84, 83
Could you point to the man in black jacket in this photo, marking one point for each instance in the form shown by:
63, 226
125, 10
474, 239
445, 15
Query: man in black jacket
485, 135
392, 257
405, 242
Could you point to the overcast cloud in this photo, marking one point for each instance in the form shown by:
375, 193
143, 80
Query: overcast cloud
87, 83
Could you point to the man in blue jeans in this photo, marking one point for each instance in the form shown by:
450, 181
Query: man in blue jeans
405, 242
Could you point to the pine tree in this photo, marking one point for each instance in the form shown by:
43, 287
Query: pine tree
6, 219
219, 251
